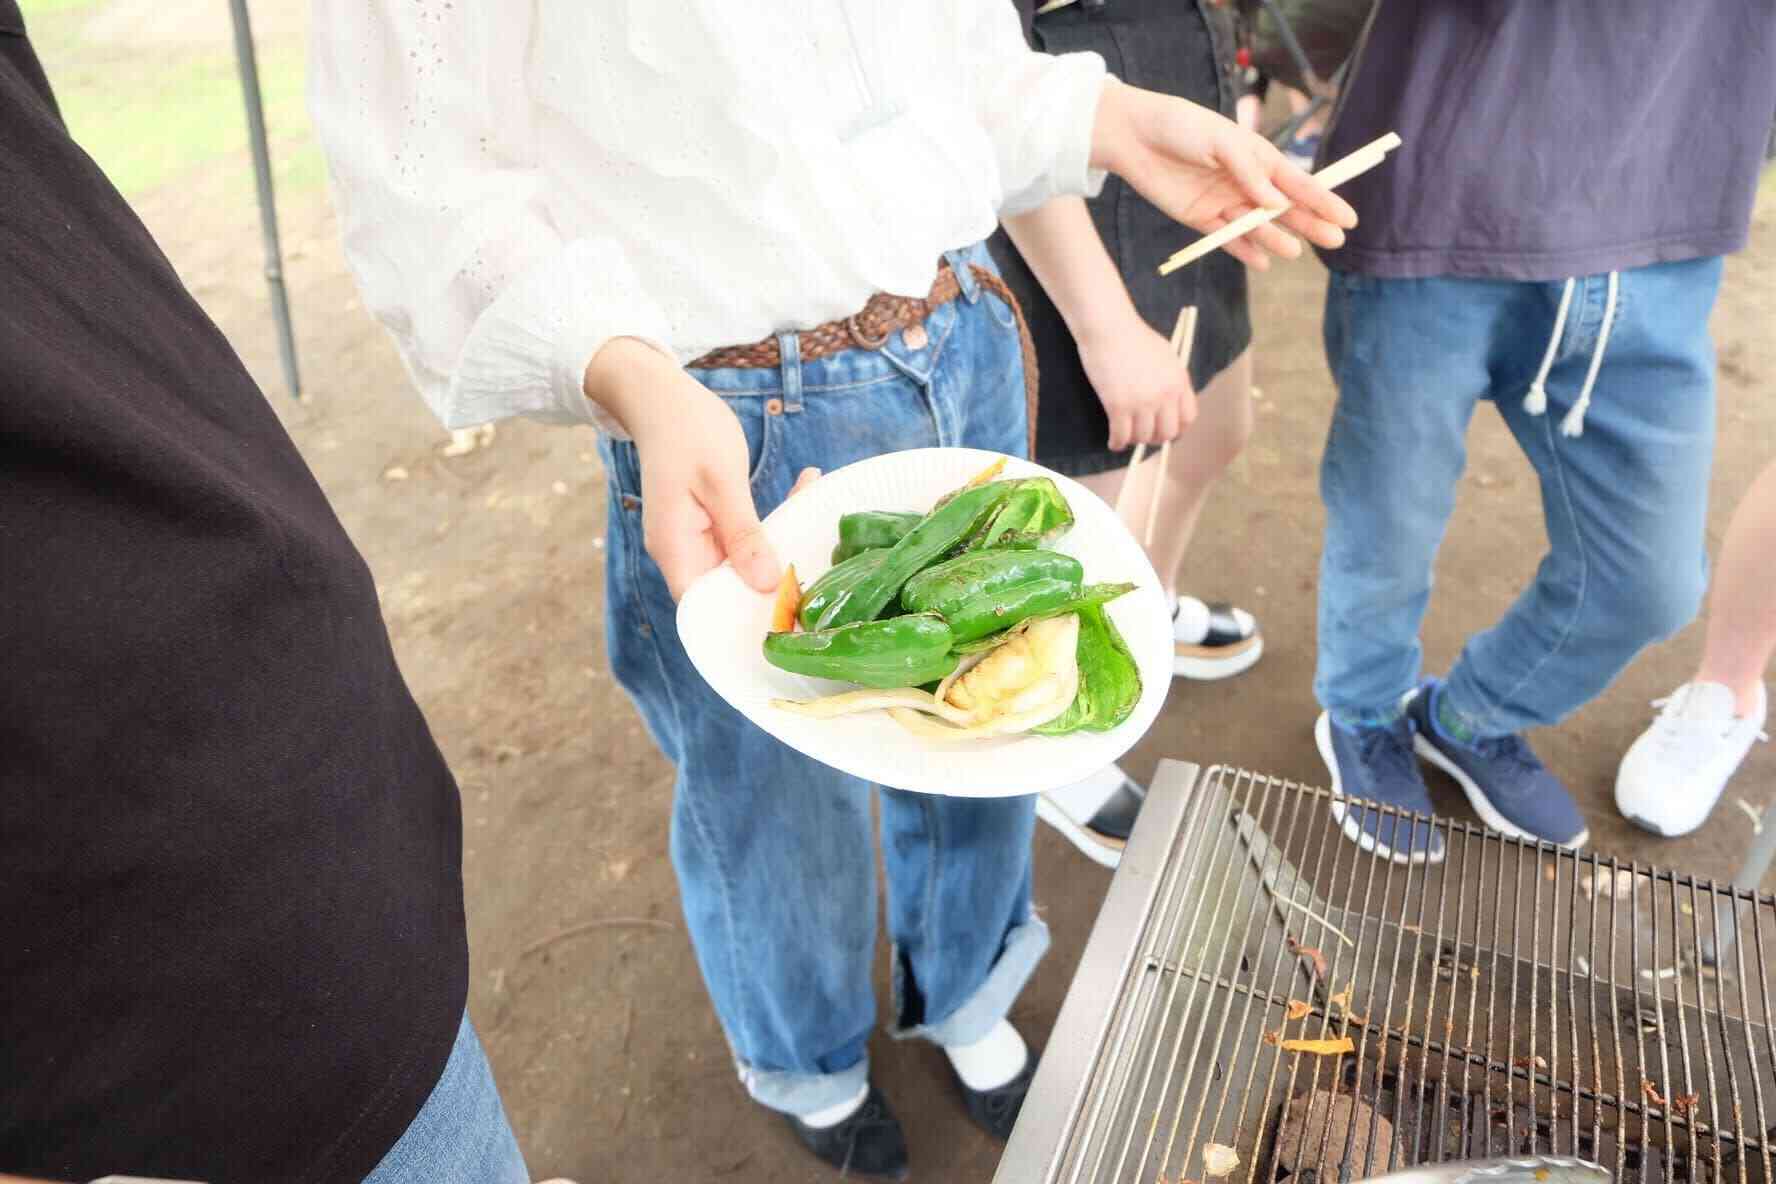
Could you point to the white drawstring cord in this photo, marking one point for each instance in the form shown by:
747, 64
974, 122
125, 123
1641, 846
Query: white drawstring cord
1574, 423
1536, 401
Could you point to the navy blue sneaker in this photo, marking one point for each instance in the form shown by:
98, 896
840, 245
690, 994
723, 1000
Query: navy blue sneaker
1506, 783
1377, 764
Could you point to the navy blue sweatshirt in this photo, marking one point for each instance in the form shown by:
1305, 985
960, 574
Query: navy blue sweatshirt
1552, 138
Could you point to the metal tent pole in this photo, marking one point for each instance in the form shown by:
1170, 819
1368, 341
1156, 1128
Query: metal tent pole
274, 257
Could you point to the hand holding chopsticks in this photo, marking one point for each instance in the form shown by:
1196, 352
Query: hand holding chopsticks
1206, 171
1332, 176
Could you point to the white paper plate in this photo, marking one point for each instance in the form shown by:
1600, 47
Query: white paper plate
723, 623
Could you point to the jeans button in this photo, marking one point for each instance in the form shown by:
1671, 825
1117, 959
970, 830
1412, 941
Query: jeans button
774, 407
915, 337
631, 502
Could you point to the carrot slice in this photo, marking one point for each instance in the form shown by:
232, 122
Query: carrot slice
986, 474
1333, 1047
789, 602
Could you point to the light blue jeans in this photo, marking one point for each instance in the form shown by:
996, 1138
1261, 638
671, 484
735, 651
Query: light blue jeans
1625, 503
460, 1135
775, 857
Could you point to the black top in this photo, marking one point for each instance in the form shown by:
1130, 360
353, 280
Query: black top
231, 925
1184, 49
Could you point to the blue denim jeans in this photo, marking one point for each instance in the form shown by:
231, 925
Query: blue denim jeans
775, 857
1624, 503
460, 1135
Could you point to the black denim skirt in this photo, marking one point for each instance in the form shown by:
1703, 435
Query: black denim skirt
1180, 47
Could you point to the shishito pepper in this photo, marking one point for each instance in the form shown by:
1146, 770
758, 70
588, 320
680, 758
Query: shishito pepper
1034, 513
937, 533
1109, 679
999, 611
871, 530
836, 586
982, 592
1086, 597
898, 652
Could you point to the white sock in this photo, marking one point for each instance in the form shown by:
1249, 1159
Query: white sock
834, 1115
1084, 798
992, 1060
1190, 620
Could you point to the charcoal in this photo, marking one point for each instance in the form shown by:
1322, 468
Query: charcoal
1303, 1147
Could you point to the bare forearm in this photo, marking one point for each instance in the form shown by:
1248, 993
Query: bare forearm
1068, 258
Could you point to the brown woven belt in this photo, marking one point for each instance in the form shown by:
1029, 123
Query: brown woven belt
874, 324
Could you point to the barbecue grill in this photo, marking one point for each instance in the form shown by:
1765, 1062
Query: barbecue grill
1261, 1001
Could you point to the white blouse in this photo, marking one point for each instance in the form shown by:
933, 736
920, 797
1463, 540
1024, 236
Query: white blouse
519, 181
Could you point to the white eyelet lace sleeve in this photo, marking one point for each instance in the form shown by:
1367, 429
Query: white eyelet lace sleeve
430, 142
1039, 109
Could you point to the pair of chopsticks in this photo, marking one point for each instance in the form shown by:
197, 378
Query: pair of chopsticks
1332, 176
1183, 337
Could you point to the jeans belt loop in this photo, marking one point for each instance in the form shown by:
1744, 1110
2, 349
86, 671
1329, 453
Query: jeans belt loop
971, 290
789, 350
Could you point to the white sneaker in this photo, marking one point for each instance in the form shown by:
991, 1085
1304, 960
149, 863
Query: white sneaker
1095, 814
1674, 774
1211, 641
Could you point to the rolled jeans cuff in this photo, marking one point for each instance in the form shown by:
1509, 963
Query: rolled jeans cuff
802, 1093
1024, 947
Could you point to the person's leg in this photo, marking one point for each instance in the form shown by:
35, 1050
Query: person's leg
1625, 504
460, 1135
773, 850
1742, 605
1674, 773
958, 869
965, 938
1410, 361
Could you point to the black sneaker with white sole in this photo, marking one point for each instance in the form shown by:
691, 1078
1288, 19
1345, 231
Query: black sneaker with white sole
996, 1110
868, 1143
1213, 641
1096, 814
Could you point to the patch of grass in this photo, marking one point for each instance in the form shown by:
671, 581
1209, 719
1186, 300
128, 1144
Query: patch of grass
32, 8
146, 122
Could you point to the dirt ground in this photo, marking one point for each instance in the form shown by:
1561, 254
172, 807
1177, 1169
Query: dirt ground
491, 571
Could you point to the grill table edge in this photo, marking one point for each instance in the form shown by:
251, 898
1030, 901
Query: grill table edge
1053, 1104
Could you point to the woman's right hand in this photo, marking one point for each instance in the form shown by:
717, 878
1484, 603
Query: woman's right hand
696, 496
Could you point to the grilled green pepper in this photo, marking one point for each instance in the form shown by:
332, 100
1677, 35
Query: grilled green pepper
898, 652
836, 586
937, 533
1109, 679
982, 592
999, 611
1090, 596
1034, 513
871, 529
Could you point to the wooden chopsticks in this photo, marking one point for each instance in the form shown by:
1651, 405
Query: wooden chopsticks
1183, 337
1332, 176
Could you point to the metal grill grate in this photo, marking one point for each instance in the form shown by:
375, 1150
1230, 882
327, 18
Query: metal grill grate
1514, 1000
